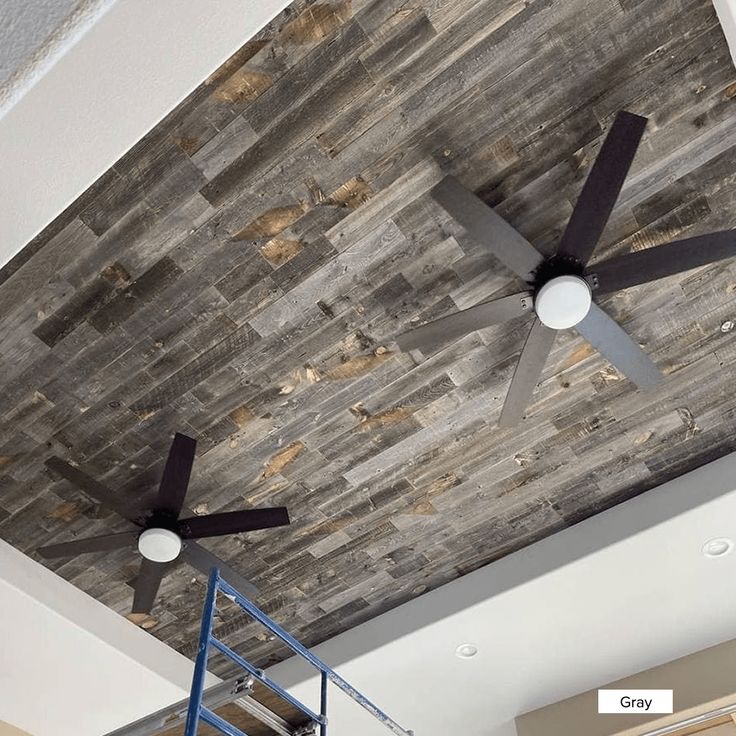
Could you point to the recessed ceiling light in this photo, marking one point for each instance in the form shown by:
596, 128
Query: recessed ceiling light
466, 651
718, 547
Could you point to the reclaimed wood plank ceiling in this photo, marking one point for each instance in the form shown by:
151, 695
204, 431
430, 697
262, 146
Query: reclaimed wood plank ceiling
240, 275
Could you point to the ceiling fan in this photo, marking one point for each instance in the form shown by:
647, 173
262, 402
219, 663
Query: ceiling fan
160, 535
560, 287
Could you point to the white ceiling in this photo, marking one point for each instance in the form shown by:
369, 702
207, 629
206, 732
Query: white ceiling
71, 125
622, 592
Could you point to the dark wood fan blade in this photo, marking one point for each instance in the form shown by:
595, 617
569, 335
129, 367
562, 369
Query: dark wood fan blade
650, 264
203, 560
602, 187
175, 480
94, 489
529, 368
610, 339
232, 522
462, 323
147, 584
485, 226
90, 544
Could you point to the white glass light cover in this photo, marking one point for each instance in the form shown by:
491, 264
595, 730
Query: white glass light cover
159, 545
563, 302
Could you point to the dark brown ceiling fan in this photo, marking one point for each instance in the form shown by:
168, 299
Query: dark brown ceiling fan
560, 287
160, 535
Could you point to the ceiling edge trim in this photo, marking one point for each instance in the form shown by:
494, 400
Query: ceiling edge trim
71, 125
85, 613
59, 41
726, 10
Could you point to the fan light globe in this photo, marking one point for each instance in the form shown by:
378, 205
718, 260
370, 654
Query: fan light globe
159, 545
563, 302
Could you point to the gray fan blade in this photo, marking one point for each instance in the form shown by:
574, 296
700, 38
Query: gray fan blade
90, 544
95, 489
459, 324
485, 226
147, 584
654, 263
602, 187
203, 560
609, 338
529, 368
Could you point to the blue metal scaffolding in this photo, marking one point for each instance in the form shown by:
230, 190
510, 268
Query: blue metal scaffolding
198, 712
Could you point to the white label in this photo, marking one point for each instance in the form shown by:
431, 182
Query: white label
635, 701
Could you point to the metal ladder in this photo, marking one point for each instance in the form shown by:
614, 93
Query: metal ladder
199, 710
236, 690
201, 704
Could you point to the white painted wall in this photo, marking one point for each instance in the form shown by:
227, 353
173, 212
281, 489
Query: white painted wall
726, 10
70, 666
33, 35
24, 27
622, 592
133, 66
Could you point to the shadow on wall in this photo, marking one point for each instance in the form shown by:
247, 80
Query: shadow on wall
7, 730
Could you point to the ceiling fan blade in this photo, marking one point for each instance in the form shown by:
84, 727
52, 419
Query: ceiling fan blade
602, 187
94, 489
529, 368
203, 560
610, 339
175, 480
90, 544
462, 323
147, 584
232, 522
485, 226
650, 264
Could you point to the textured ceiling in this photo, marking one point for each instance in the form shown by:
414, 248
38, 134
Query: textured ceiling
32, 34
241, 273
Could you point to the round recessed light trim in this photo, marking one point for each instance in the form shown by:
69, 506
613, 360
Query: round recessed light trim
718, 547
159, 545
563, 302
466, 651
